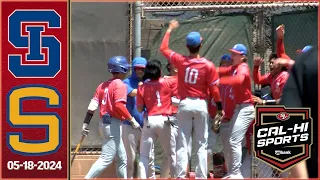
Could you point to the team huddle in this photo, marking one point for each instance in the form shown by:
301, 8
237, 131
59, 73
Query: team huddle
197, 102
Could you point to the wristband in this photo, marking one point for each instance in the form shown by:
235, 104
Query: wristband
88, 118
271, 102
219, 106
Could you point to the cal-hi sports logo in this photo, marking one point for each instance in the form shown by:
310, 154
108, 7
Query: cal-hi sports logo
282, 136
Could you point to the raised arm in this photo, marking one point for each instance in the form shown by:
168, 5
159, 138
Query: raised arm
170, 55
257, 78
280, 43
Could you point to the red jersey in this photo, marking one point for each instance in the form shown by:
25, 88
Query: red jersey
239, 80
156, 96
107, 94
276, 82
228, 101
195, 75
174, 92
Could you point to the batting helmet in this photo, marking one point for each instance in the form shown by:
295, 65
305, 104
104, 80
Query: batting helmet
118, 64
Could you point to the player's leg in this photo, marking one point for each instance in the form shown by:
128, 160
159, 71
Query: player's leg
121, 160
110, 131
239, 123
173, 145
184, 117
219, 165
130, 138
148, 138
166, 139
246, 168
200, 124
151, 168
211, 141
225, 136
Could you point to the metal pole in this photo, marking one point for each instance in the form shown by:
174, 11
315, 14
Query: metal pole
137, 28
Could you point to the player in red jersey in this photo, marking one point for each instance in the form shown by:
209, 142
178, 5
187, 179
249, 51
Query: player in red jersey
111, 97
195, 76
215, 143
277, 77
155, 95
244, 110
175, 99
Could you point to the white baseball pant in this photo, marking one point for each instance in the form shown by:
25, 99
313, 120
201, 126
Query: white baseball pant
192, 113
131, 139
154, 128
214, 144
169, 164
112, 148
233, 134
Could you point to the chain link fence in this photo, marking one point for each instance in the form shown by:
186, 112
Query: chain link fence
299, 18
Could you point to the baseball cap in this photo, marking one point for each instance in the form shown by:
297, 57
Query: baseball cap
239, 49
194, 39
226, 57
307, 48
139, 62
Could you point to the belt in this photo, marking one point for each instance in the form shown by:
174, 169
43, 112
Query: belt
106, 119
194, 98
170, 122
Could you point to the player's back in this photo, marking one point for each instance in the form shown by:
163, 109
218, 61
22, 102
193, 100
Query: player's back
194, 77
157, 96
174, 89
107, 94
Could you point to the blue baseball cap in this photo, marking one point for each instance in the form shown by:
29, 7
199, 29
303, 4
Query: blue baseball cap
239, 49
226, 57
194, 39
307, 48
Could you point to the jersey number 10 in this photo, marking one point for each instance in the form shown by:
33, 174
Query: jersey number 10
191, 76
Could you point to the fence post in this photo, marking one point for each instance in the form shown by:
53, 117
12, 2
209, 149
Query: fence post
137, 28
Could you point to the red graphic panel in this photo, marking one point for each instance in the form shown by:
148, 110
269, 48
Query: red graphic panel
34, 88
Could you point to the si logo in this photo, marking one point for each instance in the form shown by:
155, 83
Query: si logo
27, 29
41, 48
282, 136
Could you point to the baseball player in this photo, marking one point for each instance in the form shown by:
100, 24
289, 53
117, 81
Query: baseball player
215, 145
131, 137
195, 76
111, 97
277, 77
244, 111
155, 95
168, 165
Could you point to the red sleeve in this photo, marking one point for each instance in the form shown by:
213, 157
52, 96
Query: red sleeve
170, 55
122, 111
139, 96
215, 93
238, 79
213, 74
280, 49
212, 78
120, 92
96, 94
224, 70
258, 79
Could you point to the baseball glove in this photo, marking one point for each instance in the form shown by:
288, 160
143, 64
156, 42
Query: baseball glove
217, 121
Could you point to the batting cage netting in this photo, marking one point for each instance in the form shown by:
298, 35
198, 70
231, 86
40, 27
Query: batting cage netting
221, 24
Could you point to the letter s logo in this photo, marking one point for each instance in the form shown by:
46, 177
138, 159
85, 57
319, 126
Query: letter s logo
17, 118
41, 48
